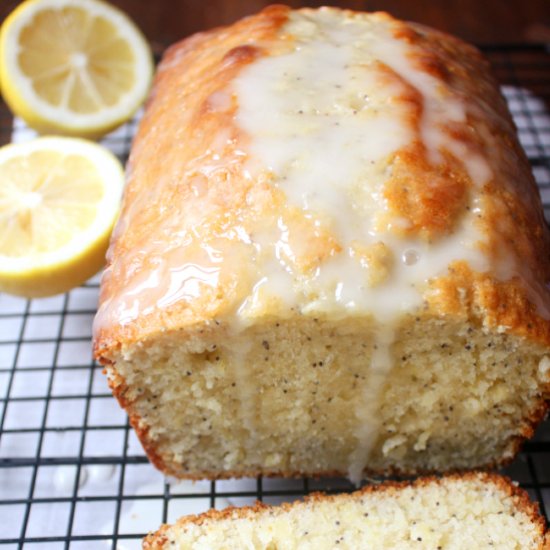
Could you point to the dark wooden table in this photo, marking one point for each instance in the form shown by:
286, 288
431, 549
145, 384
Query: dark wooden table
478, 21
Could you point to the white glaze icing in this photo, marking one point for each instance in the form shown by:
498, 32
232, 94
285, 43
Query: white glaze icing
367, 413
323, 123
186, 280
64, 478
101, 473
245, 388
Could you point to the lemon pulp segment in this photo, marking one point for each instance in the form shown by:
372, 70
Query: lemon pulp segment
45, 199
88, 65
59, 199
73, 67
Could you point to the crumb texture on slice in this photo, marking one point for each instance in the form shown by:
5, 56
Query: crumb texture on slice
480, 511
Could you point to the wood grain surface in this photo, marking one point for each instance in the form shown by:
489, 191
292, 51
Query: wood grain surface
478, 21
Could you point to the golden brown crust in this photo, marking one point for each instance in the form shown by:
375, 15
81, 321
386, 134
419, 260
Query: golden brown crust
521, 499
430, 197
465, 294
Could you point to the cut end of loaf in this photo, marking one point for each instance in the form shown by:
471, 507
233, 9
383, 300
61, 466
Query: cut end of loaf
472, 511
316, 396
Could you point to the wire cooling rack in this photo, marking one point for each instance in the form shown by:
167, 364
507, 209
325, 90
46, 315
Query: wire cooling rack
72, 473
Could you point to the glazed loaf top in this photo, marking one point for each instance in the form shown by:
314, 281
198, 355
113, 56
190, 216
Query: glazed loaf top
324, 163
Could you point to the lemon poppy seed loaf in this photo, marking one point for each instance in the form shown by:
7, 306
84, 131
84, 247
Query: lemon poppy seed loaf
331, 258
454, 513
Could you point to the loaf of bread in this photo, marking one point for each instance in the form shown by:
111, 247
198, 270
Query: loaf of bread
331, 258
475, 511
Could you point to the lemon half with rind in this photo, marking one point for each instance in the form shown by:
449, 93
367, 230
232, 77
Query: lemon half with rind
73, 67
59, 199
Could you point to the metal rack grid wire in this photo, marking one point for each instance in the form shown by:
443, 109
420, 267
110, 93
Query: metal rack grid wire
72, 473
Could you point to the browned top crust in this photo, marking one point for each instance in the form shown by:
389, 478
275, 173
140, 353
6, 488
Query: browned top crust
506, 486
182, 212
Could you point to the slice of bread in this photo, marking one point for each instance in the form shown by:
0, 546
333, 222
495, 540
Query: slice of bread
470, 512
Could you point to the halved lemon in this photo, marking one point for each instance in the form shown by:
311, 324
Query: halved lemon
59, 198
73, 67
